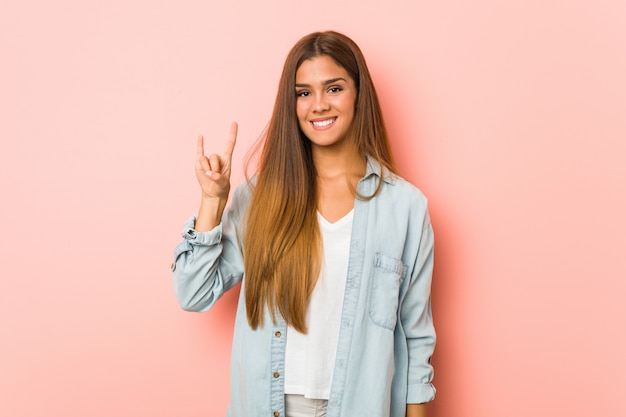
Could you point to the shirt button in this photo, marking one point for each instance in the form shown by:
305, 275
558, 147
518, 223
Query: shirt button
276, 374
276, 413
277, 334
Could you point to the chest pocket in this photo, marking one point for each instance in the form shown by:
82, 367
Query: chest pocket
387, 275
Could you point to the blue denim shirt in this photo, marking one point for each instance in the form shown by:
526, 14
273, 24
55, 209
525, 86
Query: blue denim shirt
386, 336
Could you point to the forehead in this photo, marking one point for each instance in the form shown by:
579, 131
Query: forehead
320, 68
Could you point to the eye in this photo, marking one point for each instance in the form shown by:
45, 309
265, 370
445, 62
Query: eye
302, 93
335, 89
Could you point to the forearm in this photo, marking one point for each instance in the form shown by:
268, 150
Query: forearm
416, 410
210, 213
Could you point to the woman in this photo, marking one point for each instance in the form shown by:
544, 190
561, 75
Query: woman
334, 249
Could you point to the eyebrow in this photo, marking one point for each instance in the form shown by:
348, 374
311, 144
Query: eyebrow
331, 81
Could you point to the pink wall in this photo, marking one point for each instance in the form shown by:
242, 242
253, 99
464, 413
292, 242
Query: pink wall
509, 115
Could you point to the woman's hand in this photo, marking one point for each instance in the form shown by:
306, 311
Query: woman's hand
213, 172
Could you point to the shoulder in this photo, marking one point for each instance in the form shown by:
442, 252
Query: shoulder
241, 197
396, 194
401, 191
394, 186
244, 190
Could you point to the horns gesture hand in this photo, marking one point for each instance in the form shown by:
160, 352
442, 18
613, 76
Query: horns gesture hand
213, 171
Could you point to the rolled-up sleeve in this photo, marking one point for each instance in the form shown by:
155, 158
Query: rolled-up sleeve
207, 264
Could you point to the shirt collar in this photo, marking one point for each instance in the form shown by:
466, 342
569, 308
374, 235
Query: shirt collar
374, 168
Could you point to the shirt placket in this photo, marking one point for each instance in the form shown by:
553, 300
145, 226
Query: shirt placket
277, 368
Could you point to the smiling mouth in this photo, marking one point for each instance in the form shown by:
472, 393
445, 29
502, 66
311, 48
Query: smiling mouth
323, 123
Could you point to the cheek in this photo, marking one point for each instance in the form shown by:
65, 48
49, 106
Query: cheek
346, 103
301, 110
348, 107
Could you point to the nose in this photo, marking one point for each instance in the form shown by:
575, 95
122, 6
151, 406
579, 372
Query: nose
321, 104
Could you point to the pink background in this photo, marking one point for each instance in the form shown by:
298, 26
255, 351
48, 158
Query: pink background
510, 115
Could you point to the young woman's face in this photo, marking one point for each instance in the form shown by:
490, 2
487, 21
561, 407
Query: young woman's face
326, 97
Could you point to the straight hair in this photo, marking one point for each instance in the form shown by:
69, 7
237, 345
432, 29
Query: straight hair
283, 245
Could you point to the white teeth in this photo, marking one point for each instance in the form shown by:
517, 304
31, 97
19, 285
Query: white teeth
324, 123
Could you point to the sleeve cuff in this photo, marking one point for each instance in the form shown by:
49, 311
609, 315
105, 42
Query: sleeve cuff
193, 237
420, 393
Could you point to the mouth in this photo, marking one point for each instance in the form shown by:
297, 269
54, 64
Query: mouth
321, 124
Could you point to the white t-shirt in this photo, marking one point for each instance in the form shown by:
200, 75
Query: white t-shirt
310, 358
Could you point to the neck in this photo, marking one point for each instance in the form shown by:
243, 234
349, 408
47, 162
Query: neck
332, 163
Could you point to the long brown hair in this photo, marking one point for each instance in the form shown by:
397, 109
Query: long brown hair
283, 249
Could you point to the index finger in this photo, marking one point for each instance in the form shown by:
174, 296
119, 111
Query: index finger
232, 139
